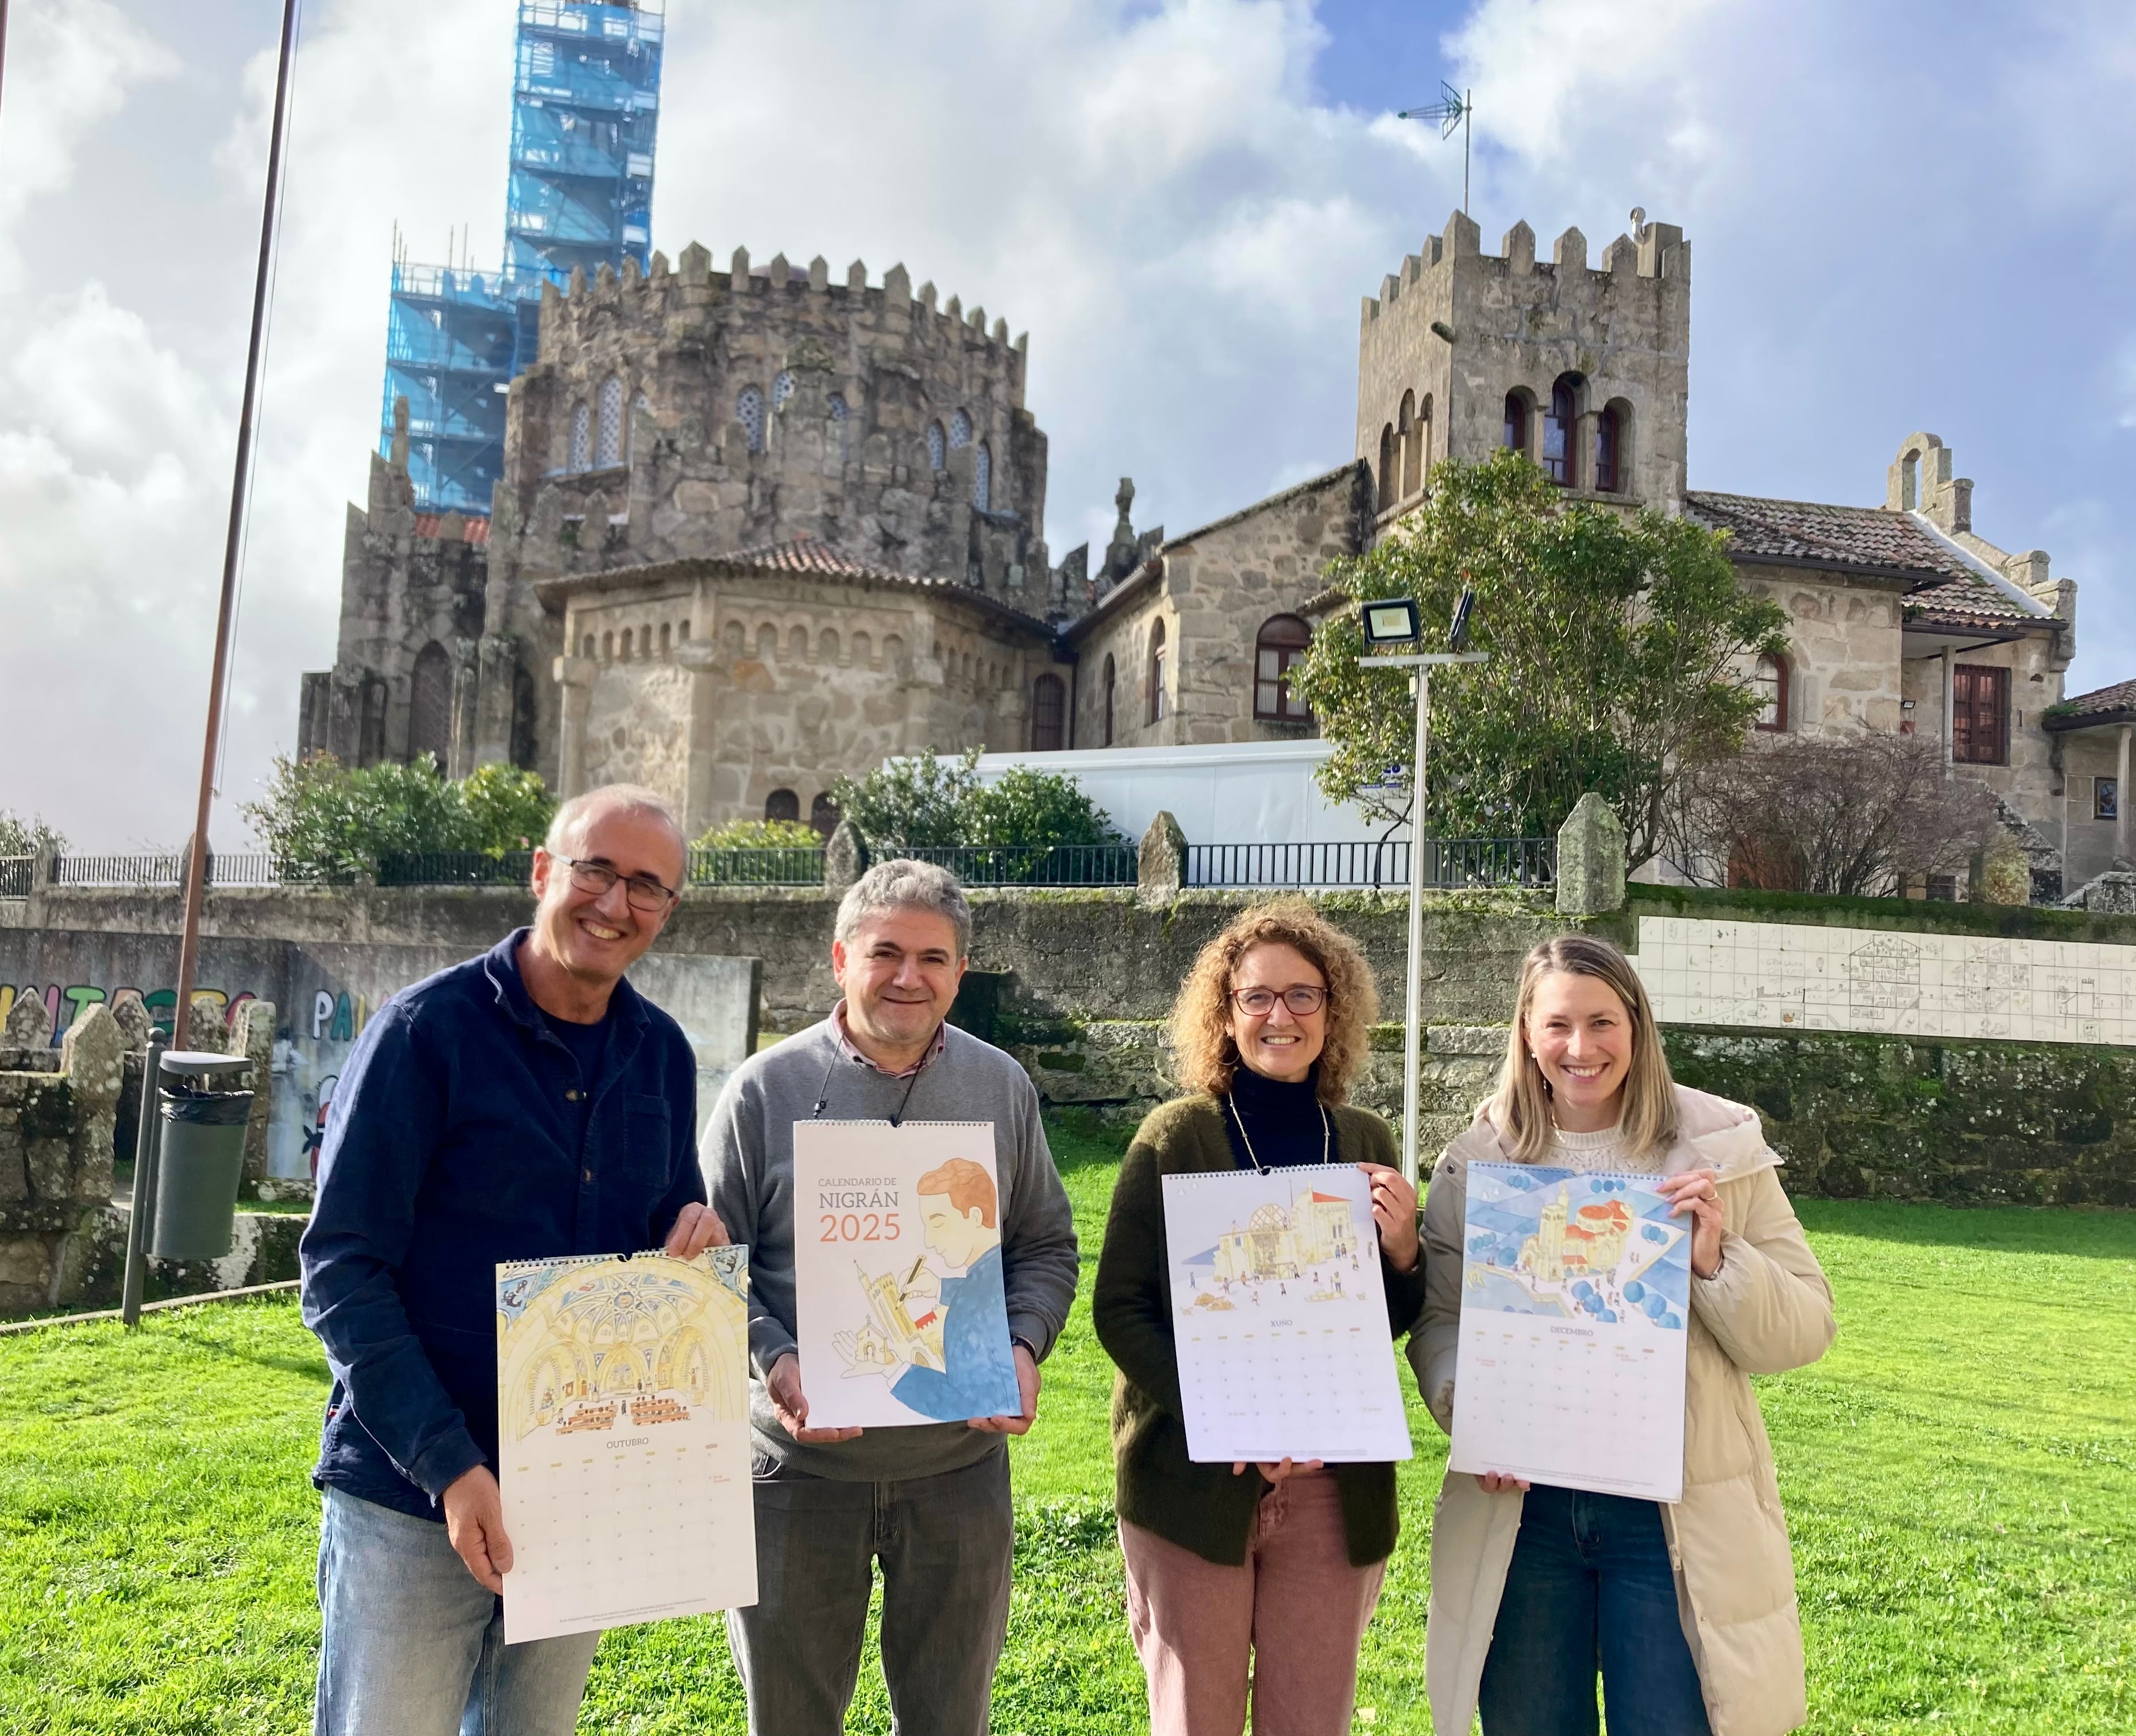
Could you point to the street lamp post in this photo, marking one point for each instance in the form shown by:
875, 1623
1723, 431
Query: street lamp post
1393, 623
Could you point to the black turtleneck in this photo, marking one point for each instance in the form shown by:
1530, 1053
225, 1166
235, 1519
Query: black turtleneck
1282, 1118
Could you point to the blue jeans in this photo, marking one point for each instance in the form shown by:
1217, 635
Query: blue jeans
414, 1646
1590, 1585
944, 1543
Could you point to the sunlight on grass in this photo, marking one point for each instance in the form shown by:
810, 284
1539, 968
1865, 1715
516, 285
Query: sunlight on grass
1960, 1473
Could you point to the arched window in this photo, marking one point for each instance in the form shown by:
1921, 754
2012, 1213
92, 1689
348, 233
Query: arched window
582, 439
626, 644
1515, 437
608, 450
782, 804
1561, 433
938, 447
1280, 643
749, 411
589, 650
431, 705
608, 648
983, 478
1909, 481
840, 421
1049, 706
823, 814
1157, 658
665, 643
960, 430
1609, 450
1107, 739
782, 388
1412, 431
1388, 480
1769, 680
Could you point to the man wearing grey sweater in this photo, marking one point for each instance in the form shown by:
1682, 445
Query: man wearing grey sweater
931, 1502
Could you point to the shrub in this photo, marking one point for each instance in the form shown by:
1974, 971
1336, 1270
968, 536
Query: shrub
323, 822
762, 835
933, 800
21, 835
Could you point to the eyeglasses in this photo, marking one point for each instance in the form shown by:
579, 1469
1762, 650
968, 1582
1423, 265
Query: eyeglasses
644, 892
1302, 998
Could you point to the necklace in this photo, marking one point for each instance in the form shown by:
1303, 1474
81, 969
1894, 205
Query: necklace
1260, 1168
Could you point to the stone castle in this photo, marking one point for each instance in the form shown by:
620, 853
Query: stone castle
758, 529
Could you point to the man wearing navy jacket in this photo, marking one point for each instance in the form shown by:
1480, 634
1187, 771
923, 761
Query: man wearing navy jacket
526, 1104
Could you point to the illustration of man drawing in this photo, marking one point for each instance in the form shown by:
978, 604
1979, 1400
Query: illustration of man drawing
953, 1360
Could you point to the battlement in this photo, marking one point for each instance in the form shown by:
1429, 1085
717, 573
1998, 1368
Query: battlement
1655, 250
657, 292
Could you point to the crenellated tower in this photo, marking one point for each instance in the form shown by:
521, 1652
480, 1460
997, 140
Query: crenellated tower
1587, 370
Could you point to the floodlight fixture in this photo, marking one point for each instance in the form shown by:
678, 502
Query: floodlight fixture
1393, 622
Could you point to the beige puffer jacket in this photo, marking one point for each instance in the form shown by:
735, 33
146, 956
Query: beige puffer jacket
1769, 1309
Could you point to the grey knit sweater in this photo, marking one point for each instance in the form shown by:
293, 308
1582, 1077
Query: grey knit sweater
748, 1156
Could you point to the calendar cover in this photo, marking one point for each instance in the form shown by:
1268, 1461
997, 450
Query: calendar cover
623, 1435
900, 1306
1575, 1293
1280, 1317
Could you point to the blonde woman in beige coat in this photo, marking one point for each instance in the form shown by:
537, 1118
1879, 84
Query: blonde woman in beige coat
1530, 1590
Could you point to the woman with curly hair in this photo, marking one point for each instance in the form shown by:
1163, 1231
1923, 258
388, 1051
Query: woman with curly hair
1243, 1573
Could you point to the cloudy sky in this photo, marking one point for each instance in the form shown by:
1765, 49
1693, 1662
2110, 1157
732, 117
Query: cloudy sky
1902, 217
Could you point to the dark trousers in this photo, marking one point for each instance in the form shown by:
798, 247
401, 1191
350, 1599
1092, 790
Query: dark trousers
944, 1543
1590, 1587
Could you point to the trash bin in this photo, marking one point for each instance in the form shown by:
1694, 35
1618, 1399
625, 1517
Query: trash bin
202, 1156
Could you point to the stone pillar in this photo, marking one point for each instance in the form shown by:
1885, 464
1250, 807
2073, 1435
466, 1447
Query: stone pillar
498, 659
1949, 707
1591, 860
467, 684
575, 677
844, 858
2122, 853
253, 1037
1161, 858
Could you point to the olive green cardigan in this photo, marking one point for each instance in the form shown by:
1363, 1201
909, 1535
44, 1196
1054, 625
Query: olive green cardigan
1203, 1507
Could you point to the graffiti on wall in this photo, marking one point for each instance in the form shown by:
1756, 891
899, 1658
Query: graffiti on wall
67, 1002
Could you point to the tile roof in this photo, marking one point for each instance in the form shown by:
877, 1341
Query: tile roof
475, 531
1948, 586
2081, 709
1871, 539
812, 554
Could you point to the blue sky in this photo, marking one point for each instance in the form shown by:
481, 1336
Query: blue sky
1901, 219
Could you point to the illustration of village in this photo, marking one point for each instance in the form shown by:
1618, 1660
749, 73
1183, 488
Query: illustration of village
587, 1346
1310, 1252
1575, 1246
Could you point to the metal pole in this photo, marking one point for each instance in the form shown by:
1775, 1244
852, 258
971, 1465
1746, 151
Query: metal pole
1468, 127
147, 1149
196, 858
1412, 1032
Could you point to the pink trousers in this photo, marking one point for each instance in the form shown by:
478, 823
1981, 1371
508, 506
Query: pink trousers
1286, 1624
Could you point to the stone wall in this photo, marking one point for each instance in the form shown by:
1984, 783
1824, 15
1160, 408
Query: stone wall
55, 1156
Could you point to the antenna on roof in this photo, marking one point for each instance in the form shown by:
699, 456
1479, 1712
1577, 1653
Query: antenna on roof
1454, 108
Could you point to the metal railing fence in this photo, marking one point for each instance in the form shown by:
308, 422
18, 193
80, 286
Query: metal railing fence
456, 868
15, 874
1449, 863
793, 865
1029, 865
118, 870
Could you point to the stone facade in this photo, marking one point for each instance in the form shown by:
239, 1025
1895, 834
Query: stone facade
1456, 332
743, 685
1169, 655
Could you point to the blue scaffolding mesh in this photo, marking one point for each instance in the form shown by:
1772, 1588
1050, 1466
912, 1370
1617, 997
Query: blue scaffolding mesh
585, 107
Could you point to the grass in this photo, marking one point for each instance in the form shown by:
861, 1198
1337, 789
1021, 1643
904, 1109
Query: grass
1960, 1475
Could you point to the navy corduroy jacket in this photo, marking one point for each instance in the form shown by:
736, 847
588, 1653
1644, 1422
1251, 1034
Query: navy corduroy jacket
451, 1145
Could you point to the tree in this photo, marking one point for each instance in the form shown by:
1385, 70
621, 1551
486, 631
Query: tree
1854, 814
1619, 646
931, 800
324, 821
28, 835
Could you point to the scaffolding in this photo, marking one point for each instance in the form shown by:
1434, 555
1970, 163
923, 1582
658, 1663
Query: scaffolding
586, 109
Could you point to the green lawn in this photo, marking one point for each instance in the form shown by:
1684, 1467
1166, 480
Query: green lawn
1960, 1473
